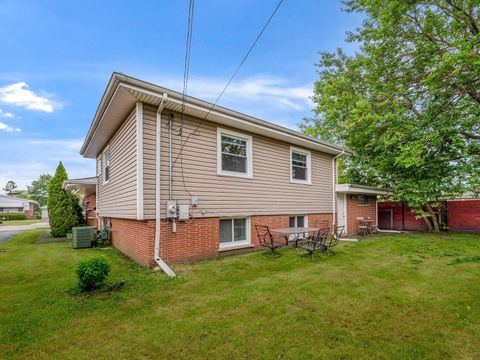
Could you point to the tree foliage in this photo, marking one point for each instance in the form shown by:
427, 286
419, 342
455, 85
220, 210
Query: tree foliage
11, 188
38, 190
408, 101
62, 212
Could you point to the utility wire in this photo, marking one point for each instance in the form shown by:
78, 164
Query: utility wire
188, 47
195, 131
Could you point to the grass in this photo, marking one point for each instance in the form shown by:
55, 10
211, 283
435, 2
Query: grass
18, 222
392, 297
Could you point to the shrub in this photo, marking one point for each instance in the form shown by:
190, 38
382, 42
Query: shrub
61, 211
92, 272
8, 217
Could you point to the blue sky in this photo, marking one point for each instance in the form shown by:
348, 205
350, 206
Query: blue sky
57, 57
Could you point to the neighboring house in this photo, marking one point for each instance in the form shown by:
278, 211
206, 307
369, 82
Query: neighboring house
357, 201
87, 189
174, 190
13, 205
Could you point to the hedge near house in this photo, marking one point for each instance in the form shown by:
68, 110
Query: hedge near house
61, 209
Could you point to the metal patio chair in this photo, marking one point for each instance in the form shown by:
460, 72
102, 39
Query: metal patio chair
267, 240
317, 243
362, 226
334, 239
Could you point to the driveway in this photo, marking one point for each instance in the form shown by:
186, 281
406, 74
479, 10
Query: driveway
7, 232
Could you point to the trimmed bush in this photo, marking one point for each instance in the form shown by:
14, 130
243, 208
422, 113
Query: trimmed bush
92, 272
62, 214
8, 217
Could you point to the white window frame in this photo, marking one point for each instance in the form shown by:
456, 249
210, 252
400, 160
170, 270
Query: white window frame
305, 217
104, 165
309, 166
235, 244
248, 139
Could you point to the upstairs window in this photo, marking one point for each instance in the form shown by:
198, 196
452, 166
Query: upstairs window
234, 153
300, 166
106, 166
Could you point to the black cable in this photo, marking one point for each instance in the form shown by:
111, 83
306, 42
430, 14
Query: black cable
195, 131
188, 46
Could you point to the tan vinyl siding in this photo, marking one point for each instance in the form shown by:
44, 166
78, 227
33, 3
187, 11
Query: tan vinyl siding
149, 138
269, 192
118, 197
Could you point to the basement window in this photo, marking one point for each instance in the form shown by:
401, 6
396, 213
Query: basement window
234, 232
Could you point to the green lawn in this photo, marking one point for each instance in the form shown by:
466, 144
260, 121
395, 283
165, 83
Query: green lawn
392, 297
18, 222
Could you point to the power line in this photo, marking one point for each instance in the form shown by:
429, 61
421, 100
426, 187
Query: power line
188, 47
195, 131
186, 70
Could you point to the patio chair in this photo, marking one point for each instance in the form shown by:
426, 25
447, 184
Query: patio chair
319, 224
317, 243
362, 227
334, 239
267, 240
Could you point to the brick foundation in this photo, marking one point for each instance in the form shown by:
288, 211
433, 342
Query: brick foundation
135, 239
193, 240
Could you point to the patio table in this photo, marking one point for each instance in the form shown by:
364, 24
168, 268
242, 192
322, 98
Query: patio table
369, 225
296, 231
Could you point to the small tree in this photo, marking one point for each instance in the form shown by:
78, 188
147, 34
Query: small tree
10, 188
61, 211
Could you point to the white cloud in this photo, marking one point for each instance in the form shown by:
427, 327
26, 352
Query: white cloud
5, 127
18, 94
34, 157
6, 114
275, 91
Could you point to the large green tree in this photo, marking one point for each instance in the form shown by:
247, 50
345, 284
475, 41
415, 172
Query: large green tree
38, 190
62, 213
408, 101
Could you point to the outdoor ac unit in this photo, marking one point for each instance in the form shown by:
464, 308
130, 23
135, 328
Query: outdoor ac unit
83, 236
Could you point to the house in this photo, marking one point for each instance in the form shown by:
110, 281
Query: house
174, 189
357, 201
13, 205
87, 189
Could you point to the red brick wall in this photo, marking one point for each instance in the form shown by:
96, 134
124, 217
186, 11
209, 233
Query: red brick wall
354, 210
30, 212
464, 215
409, 222
195, 239
90, 205
135, 239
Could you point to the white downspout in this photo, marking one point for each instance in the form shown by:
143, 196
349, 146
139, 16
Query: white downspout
334, 182
162, 264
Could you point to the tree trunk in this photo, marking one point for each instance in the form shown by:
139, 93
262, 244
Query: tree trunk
436, 226
427, 222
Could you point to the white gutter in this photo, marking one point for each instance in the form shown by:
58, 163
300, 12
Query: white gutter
334, 188
162, 264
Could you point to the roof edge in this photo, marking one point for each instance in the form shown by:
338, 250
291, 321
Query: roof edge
118, 78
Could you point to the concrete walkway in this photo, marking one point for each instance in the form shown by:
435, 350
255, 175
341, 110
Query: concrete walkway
7, 232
